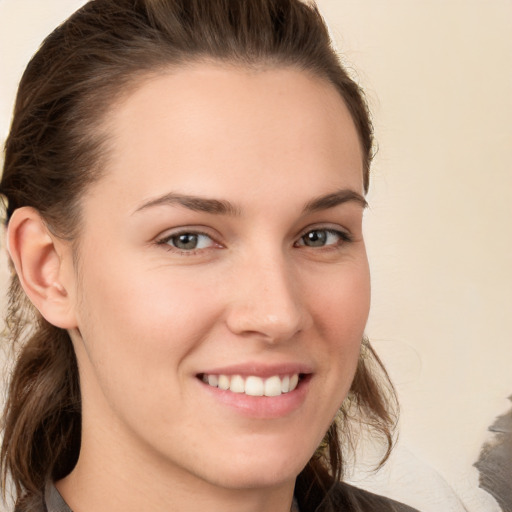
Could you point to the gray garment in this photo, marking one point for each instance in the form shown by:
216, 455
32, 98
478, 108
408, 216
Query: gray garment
54, 502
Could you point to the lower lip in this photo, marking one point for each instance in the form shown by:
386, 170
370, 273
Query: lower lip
265, 407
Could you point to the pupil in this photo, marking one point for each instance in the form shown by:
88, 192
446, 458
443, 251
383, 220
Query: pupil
316, 238
186, 241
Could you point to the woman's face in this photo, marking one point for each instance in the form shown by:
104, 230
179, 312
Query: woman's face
221, 259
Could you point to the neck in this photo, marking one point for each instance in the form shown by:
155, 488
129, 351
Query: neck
104, 494
108, 477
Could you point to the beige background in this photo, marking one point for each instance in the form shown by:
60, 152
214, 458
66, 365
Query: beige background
438, 75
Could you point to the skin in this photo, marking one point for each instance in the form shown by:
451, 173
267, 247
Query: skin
147, 318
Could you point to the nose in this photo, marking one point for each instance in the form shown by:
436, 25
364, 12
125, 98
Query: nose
267, 302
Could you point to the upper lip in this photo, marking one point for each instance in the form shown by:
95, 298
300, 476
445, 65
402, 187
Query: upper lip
260, 369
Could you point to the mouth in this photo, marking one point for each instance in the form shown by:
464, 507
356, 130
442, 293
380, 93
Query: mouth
253, 385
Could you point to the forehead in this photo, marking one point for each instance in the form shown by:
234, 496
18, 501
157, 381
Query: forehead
204, 128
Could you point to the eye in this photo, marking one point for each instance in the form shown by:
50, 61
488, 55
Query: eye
323, 238
188, 241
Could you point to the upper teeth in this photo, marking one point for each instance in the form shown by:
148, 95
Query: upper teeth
253, 385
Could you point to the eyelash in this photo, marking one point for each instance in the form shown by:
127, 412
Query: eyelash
344, 237
165, 241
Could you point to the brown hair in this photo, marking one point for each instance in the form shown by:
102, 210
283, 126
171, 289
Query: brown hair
56, 148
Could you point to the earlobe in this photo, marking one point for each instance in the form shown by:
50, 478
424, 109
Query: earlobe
40, 259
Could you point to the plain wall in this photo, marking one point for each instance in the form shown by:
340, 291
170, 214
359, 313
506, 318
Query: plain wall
438, 76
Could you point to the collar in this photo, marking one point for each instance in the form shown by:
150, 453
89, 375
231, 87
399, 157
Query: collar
53, 501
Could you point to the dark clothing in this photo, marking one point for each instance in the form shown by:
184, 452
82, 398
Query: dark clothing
352, 499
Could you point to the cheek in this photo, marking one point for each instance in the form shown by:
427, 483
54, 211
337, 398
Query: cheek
146, 313
137, 335
138, 322
342, 303
341, 310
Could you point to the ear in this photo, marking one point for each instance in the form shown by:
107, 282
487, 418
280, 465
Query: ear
44, 266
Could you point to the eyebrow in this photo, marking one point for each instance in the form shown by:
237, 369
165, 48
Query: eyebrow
335, 199
223, 207
194, 203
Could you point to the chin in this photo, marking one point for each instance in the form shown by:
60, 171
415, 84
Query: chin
264, 468
256, 478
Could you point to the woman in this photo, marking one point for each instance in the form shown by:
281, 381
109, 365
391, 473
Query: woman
185, 186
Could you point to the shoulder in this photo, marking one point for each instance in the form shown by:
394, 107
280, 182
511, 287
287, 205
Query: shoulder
350, 498
343, 497
315, 492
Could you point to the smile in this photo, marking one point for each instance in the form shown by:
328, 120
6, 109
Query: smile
253, 385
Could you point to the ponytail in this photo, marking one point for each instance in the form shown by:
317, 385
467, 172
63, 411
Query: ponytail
42, 419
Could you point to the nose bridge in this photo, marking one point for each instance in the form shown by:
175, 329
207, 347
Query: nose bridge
268, 301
